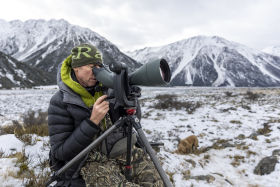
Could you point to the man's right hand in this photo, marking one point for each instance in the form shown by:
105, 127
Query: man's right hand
100, 108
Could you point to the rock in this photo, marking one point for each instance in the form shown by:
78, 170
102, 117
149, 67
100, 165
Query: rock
276, 152
266, 165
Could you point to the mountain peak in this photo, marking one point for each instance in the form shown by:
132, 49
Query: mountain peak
45, 44
214, 61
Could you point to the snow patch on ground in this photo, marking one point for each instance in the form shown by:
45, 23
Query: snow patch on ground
220, 117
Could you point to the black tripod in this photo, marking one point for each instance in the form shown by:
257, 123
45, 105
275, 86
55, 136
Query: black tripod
126, 97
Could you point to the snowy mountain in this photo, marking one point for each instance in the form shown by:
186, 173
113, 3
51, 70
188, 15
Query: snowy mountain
214, 61
45, 44
273, 50
17, 74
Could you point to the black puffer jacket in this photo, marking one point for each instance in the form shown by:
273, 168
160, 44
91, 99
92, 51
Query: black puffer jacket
70, 131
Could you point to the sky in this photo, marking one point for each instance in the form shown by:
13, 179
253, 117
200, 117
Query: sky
135, 24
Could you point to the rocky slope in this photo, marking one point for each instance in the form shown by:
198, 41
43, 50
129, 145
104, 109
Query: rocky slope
45, 44
17, 74
214, 61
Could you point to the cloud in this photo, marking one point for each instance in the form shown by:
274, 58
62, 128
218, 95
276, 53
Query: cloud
136, 24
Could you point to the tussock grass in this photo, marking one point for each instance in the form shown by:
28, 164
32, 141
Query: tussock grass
27, 174
33, 122
265, 130
171, 178
36, 180
237, 160
249, 153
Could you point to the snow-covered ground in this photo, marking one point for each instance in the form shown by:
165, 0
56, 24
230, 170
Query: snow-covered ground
14, 103
225, 115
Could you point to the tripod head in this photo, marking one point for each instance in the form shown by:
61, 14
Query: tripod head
126, 94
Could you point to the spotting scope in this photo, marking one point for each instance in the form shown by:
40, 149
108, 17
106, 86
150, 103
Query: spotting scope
154, 73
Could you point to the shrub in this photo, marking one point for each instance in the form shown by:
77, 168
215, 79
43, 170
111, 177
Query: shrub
245, 106
252, 96
33, 123
228, 94
167, 101
32, 118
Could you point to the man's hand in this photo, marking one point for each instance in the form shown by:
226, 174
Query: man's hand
100, 108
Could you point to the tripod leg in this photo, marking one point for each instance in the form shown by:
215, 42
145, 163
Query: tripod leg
128, 153
150, 151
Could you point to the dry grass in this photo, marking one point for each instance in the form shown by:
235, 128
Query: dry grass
237, 160
26, 173
249, 153
32, 123
235, 121
171, 174
265, 130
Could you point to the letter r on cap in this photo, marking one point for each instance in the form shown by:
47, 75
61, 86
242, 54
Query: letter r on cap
81, 50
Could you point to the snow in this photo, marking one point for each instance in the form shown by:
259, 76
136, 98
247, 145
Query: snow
180, 54
20, 73
10, 144
11, 62
23, 39
7, 165
210, 122
11, 77
274, 50
20, 101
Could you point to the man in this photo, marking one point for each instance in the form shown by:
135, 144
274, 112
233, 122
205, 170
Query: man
77, 114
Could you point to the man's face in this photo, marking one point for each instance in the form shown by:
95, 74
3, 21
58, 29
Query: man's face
85, 76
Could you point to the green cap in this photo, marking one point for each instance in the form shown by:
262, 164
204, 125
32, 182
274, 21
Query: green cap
85, 54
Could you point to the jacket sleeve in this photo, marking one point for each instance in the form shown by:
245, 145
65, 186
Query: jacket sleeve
66, 140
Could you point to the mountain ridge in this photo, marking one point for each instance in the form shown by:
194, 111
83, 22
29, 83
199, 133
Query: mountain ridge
214, 61
17, 74
45, 44
196, 61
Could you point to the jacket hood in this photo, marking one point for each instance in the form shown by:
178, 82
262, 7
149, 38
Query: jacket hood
76, 93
